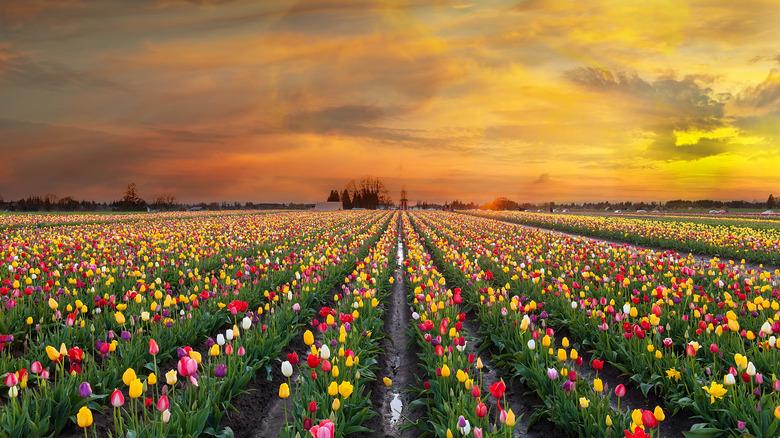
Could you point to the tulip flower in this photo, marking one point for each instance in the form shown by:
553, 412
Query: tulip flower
84, 417
481, 410
117, 399
163, 404
287, 369
171, 377
598, 385
716, 391
510, 418
284, 391
85, 390
129, 376
659, 414
387, 382
136, 388
649, 420
497, 389
345, 389
153, 347
308, 337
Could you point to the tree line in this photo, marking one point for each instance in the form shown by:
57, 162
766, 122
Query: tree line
503, 203
368, 193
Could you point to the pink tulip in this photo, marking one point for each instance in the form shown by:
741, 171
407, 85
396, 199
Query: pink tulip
153, 347
11, 379
620, 391
326, 429
117, 398
163, 403
36, 367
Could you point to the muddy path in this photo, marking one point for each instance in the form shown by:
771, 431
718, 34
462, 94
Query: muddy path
397, 362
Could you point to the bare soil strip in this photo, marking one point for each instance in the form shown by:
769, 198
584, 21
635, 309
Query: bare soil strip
398, 359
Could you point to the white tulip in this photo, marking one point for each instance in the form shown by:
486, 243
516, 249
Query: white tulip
229, 334
325, 352
531, 344
729, 380
246, 323
766, 328
221, 339
751, 369
287, 369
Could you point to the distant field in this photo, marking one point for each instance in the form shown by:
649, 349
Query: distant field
753, 240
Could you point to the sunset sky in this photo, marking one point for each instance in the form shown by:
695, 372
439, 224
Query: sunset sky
535, 100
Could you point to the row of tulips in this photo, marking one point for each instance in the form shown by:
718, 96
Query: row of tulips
759, 244
574, 396
211, 377
154, 311
649, 314
331, 391
452, 392
19, 220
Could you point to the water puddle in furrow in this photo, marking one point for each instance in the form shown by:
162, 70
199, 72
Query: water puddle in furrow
399, 359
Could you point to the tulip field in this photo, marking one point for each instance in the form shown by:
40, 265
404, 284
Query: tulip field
287, 324
753, 240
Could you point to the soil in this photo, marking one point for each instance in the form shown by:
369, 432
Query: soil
397, 362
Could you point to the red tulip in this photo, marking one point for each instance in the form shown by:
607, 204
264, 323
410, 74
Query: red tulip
293, 358
648, 419
620, 391
313, 360
497, 389
312, 406
597, 364
481, 410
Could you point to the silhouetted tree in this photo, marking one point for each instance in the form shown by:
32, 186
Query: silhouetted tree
334, 196
346, 203
770, 202
131, 200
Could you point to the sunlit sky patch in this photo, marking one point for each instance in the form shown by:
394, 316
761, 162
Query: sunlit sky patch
275, 101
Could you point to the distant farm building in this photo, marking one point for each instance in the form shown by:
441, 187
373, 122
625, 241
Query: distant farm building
328, 206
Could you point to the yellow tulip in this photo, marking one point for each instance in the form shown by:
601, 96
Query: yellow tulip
152, 379
598, 385
445, 371
284, 391
510, 418
345, 389
170, 377
129, 376
308, 337
659, 414
387, 381
136, 388
53, 354
119, 317
336, 404
84, 417
333, 389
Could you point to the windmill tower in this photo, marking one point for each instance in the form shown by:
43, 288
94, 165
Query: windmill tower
404, 201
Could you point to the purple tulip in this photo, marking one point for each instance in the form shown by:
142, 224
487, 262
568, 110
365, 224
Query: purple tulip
220, 370
85, 390
741, 425
461, 421
552, 373
568, 386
